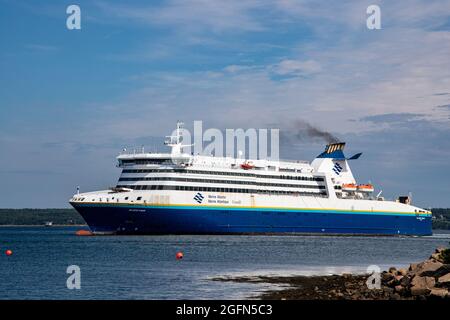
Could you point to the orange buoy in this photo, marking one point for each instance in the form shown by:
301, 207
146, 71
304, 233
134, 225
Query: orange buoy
179, 255
84, 233
8, 252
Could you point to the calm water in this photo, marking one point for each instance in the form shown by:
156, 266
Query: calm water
144, 267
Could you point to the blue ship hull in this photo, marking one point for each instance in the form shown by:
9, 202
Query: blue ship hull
135, 219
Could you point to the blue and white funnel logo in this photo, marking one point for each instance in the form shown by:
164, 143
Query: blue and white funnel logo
199, 197
337, 168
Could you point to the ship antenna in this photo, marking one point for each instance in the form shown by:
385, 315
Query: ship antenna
175, 142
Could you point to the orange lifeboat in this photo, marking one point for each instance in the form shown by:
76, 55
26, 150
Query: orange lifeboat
84, 233
365, 188
247, 166
349, 187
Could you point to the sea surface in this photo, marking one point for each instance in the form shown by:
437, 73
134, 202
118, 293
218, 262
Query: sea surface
144, 267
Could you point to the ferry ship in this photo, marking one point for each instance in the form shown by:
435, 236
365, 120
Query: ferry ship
180, 193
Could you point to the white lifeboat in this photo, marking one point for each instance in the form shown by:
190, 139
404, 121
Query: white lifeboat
365, 188
349, 187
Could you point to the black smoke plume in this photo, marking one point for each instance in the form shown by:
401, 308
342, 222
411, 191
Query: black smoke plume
304, 131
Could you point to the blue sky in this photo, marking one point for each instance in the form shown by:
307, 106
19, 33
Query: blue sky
71, 100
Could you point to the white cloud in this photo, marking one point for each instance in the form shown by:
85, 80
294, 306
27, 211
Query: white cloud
222, 61
399, 71
193, 15
236, 68
41, 47
295, 67
340, 72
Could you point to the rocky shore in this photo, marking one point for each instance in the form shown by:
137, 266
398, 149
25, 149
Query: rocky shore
427, 280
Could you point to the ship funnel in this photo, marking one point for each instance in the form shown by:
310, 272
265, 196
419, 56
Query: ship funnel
336, 151
330, 148
333, 150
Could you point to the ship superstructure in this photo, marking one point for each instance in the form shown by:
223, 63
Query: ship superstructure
180, 193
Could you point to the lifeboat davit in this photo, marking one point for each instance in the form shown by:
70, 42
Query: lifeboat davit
349, 187
247, 166
365, 188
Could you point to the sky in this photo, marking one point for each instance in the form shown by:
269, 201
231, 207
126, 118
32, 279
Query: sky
70, 100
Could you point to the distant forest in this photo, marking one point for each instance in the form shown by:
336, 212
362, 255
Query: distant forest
441, 217
40, 217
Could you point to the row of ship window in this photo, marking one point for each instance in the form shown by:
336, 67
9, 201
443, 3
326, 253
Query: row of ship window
223, 181
225, 173
145, 161
214, 189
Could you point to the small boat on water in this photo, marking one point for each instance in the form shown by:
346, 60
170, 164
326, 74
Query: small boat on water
49, 224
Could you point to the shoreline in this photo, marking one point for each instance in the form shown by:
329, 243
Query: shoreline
326, 287
427, 280
42, 225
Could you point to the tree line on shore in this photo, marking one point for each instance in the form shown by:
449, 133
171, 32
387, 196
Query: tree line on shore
441, 218
40, 217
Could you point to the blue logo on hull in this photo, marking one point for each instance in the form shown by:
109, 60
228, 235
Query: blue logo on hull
199, 197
